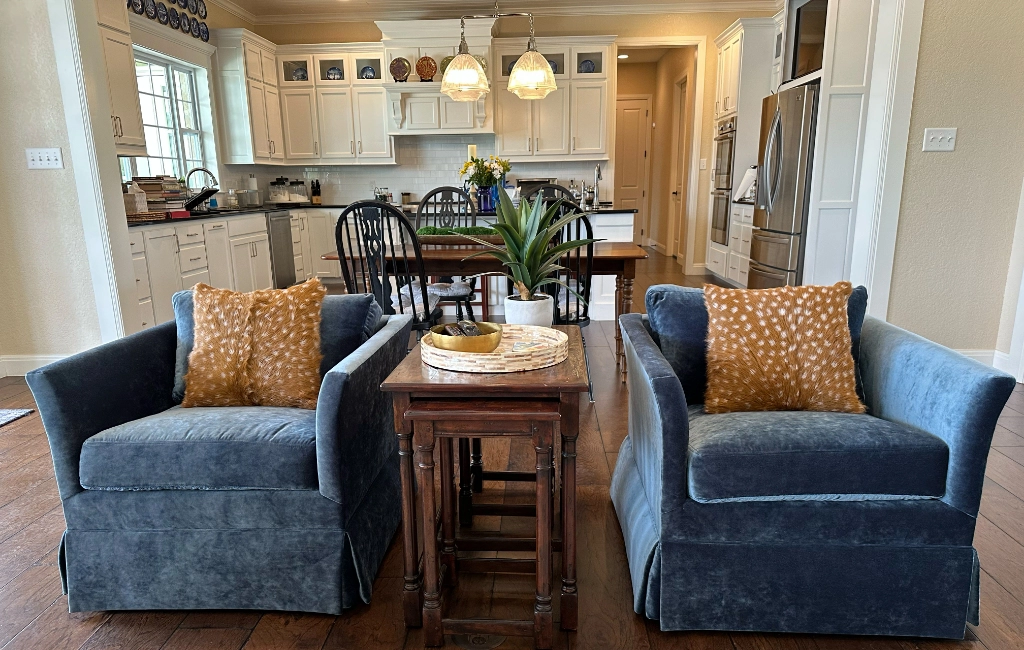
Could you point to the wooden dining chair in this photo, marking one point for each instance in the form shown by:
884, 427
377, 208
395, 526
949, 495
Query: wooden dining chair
380, 254
449, 207
551, 192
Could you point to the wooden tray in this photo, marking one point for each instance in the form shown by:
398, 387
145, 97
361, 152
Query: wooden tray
553, 349
459, 240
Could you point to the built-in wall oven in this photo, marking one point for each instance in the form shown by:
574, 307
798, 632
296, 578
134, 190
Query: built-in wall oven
721, 201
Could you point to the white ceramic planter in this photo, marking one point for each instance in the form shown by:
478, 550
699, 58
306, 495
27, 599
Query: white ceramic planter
529, 312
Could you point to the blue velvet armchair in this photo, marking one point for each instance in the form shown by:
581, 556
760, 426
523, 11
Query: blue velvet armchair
799, 521
224, 508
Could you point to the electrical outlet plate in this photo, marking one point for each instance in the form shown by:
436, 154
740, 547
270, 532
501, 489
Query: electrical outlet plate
939, 140
44, 158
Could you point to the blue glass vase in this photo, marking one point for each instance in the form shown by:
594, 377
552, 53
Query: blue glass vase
486, 198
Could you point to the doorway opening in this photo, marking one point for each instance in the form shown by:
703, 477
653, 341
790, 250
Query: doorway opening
654, 133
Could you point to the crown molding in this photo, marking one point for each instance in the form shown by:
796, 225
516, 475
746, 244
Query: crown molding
369, 14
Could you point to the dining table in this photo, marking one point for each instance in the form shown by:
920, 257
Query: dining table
610, 258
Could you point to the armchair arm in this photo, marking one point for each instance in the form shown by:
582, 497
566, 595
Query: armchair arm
911, 380
658, 425
355, 427
100, 388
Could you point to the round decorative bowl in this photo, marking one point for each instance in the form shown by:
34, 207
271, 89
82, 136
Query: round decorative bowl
488, 340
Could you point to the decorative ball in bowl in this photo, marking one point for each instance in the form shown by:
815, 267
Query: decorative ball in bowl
486, 341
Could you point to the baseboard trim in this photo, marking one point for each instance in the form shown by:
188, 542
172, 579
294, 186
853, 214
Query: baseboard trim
19, 365
695, 269
986, 357
1003, 361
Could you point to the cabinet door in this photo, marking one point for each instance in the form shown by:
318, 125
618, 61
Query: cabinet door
726, 81
258, 120
113, 14
192, 278
305, 245
218, 254
337, 139
164, 273
123, 90
736, 53
321, 240
719, 82
253, 62
372, 140
269, 68
241, 264
551, 123
146, 313
422, 113
141, 277
589, 117
513, 124
274, 128
262, 272
300, 126
456, 115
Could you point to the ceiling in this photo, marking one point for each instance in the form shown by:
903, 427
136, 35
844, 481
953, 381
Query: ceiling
314, 11
642, 54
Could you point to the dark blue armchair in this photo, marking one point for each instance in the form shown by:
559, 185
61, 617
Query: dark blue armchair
799, 521
224, 508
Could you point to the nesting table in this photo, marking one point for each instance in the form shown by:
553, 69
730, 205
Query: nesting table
433, 407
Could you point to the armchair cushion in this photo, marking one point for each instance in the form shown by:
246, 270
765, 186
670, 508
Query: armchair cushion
783, 455
225, 448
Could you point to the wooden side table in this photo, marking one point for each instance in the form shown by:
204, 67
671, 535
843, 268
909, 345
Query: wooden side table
433, 406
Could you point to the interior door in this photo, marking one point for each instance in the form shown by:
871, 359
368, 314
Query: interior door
513, 124
337, 139
551, 123
632, 139
258, 120
300, 124
372, 140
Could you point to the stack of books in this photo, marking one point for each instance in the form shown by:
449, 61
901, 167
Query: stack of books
163, 193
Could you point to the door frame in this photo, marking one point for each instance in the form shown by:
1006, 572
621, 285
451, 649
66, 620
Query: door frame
700, 61
677, 170
645, 203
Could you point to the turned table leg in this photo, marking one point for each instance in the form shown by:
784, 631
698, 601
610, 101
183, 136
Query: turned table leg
448, 511
476, 466
423, 437
627, 307
618, 312
465, 485
543, 632
569, 427
412, 605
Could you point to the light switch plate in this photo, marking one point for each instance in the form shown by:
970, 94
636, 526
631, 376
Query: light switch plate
703, 163
44, 158
939, 140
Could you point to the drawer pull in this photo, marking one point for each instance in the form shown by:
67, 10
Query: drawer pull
217, 227
194, 259
192, 234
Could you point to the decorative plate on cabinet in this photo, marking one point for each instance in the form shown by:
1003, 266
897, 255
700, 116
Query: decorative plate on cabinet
334, 73
183, 4
195, 27
400, 68
138, 7
204, 32
511, 64
173, 19
150, 9
186, 23
482, 61
161, 13
554, 66
587, 66
426, 68
201, 6
367, 72
445, 62
193, 6
300, 74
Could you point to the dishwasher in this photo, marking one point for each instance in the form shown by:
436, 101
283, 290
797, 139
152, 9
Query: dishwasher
282, 260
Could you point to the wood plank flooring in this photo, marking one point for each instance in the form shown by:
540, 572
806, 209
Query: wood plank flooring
33, 613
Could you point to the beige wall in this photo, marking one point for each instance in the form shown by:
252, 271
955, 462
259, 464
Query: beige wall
46, 297
218, 18
959, 209
636, 78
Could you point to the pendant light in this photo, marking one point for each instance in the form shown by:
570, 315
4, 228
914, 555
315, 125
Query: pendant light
531, 76
464, 80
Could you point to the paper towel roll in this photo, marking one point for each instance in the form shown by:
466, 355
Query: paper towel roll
745, 183
250, 182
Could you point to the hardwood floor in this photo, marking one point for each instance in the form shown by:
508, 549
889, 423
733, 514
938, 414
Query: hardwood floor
33, 613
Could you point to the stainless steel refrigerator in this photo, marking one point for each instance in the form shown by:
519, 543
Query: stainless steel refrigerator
788, 122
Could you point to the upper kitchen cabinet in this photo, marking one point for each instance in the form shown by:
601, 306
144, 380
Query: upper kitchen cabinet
745, 59
295, 71
250, 102
372, 139
778, 49
122, 88
572, 122
727, 84
113, 14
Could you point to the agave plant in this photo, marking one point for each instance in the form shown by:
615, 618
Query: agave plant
528, 232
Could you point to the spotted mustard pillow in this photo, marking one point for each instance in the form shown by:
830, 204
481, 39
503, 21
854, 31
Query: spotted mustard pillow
784, 349
255, 349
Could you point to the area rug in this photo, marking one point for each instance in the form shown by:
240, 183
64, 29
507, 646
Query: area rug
10, 415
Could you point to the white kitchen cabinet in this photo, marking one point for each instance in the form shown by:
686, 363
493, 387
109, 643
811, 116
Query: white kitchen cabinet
253, 62
305, 248
299, 119
275, 129
739, 269
588, 116
113, 14
551, 123
141, 276
146, 313
727, 84
372, 139
122, 88
456, 115
192, 278
513, 119
218, 253
537, 127
320, 231
778, 50
258, 119
269, 69
164, 272
250, 262
422, 113
248, 98
334, 113
718, 260
295, 71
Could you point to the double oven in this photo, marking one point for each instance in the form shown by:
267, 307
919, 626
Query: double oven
721, 195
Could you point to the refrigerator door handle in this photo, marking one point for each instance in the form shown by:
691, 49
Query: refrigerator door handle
775, 142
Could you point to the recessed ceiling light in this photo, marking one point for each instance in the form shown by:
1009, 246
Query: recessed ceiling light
623, 56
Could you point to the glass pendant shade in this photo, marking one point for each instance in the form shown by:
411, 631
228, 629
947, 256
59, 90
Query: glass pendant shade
464, 80
531, 76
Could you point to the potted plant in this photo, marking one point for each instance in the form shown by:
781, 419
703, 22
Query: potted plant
486, 176
531, 260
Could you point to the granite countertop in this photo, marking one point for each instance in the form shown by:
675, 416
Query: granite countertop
234, 212
745, 202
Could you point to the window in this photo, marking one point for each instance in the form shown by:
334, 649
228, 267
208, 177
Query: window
174, 139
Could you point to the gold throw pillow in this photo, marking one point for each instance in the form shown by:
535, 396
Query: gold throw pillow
784, 349
255, 349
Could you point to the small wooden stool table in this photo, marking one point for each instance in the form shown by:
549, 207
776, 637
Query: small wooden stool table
431, 404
